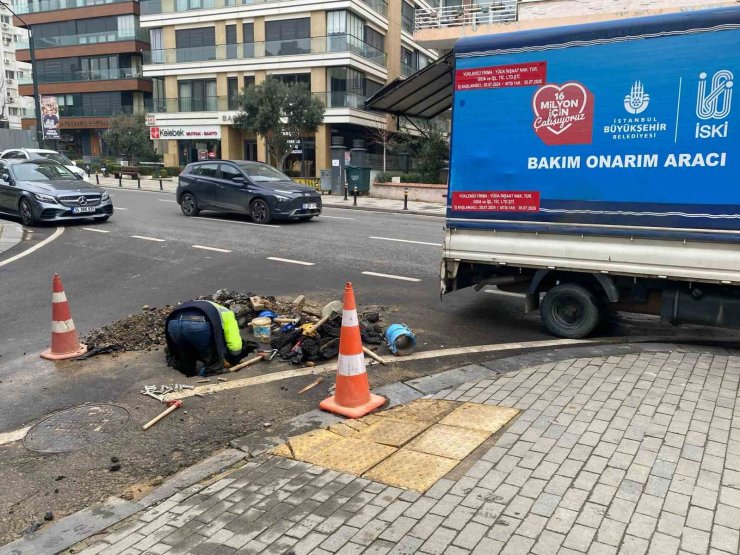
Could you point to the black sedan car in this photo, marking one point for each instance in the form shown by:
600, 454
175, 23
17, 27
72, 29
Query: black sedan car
251, 188
45, 191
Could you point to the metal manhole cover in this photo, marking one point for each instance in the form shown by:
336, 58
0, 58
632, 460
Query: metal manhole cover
74, 428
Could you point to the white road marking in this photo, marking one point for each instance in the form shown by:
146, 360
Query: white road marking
407, 241
147, 238
289, 261
209, 248
166, 200
391, 276
119, 208
95, 230
234, 222
46, 241
422, 355
335, 217
14, 436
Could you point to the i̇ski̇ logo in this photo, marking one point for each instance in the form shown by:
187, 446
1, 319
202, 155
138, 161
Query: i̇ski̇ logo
636, 102
714, 104
563, 114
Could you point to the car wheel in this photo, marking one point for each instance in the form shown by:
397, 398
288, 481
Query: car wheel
260, 212
188, 205
25, 210
571, 311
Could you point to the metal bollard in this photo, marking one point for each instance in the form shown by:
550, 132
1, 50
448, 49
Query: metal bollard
160, 184
97, 179
138, 182
346, 190
120, 177
354, 193
406, 198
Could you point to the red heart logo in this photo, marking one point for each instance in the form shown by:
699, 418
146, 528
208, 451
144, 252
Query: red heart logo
563, 113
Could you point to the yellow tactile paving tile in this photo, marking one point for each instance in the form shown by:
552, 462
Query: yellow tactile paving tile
422, 410
448, 441
411, 470
282, 450
311, 442
389, 431
354, 456
486, 418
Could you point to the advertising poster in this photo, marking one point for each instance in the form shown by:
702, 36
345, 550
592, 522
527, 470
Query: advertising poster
50, 117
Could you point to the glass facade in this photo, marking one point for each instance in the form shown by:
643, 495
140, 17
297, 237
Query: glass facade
100, 104
288, 37
93, 68
198, 95
88, 31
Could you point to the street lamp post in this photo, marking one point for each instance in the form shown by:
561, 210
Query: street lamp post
36, 97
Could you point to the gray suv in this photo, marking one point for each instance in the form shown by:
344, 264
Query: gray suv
45, 191
251, 188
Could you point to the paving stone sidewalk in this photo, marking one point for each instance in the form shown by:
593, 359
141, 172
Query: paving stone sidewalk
10, 235
635, 453
329, 201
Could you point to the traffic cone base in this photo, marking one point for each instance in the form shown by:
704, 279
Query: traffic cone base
47, 354
352, 397
330, 405
65, 343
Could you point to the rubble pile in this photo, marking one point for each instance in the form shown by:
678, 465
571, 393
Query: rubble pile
294, 341
136, 332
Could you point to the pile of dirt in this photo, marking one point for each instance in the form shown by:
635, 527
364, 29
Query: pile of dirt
145, 330
136, 332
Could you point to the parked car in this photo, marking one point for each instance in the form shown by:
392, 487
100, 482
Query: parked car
251, 188
41, 154
45, 191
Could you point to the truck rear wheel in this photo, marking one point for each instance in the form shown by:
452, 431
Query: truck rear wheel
571, 311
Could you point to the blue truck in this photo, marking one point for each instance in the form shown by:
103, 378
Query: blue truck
597, 167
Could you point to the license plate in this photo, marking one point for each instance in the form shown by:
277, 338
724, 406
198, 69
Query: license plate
310, 206
83, 209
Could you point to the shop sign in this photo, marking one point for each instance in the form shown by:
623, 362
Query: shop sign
151, 120
84, 123
50, 117
185, 132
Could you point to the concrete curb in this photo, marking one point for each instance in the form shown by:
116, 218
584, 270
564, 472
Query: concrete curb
79, 526
10, 235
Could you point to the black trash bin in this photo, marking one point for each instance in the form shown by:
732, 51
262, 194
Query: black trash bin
358, 176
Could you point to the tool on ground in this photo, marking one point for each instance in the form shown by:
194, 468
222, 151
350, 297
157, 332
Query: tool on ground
286, 320
313, 384
173, 406
401, 340
373, 356
265, 355
352, 397
65, 343
330, 310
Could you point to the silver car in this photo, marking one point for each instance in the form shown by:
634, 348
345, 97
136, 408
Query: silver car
45, 191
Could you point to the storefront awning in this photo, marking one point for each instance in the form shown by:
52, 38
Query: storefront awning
424, 94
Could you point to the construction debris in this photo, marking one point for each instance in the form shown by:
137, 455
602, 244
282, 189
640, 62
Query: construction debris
313, 384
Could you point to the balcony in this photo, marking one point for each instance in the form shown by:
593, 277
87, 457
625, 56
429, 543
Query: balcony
97, 75
331, 99
26, 7
89, 112
441, 27
407, 69
267, 49
91, 38
153, 7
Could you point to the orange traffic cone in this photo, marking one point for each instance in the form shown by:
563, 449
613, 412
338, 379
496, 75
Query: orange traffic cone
65, 343
352, 397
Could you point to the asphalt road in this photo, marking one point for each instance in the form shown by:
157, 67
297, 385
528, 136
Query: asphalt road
149, 253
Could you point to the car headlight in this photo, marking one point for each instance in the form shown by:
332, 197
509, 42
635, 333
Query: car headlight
104, 196
45, 198
281, 198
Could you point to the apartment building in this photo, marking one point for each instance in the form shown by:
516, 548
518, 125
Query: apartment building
89, 57
440, 25
13, 72
204, 52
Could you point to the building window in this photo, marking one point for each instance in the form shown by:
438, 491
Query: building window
248, 40
288, 37
156, 40
9, 74
346, 88
231, 48
197, 95
5, 19
195, 45
375, 39
303, 78
248, 81
345, 31
407, 17
408, 61
232, 90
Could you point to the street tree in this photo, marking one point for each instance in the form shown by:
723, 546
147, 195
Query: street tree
281, 113
128, 137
